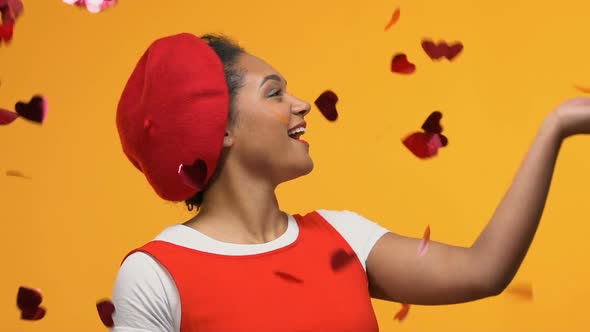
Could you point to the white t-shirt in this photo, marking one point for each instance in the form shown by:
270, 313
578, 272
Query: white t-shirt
146, 298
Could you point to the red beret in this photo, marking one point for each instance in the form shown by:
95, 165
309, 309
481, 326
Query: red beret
172, 112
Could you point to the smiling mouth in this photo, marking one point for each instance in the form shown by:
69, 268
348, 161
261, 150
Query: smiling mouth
296, 133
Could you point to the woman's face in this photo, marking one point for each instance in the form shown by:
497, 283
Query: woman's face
265, 114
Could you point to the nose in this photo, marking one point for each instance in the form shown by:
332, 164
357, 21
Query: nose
300, 106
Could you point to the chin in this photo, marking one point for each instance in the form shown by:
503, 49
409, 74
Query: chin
302, 169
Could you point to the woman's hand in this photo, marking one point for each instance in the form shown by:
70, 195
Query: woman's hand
572, 117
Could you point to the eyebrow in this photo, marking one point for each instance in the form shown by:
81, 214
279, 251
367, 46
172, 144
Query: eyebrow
273, 77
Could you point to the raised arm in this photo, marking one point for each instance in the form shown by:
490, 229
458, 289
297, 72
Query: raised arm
449, 274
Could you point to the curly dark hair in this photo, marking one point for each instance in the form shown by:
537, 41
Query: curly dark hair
229, 52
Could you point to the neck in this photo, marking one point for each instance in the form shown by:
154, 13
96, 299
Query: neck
239, 208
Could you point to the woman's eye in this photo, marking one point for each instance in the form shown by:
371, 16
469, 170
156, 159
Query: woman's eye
275, 92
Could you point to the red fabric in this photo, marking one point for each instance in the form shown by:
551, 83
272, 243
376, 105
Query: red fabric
220, 293
174, 111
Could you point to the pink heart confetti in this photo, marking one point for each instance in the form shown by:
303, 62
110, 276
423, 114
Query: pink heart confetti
93, 6
28, 301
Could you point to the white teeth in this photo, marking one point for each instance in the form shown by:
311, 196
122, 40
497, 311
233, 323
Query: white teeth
296, 131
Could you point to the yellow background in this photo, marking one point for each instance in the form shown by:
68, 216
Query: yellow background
67, 228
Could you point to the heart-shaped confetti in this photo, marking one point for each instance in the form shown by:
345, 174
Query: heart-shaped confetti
582, 88
423, 246
402, 313
6, 32
426, 144
28, 301
10, 10
394, 19
326, 103
93, 6
105, 309
7, 117
288, 277
341, 258
194, 175
35, 110
401, 65
442, 49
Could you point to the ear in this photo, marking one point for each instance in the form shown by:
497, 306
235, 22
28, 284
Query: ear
228, 140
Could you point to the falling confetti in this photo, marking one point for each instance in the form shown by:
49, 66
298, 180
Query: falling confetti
426, 144
582, 89
401, 65
288, 277
28, 301
194, 175
6, 32
326, 103
35, 110
423, 246
523, 291
402, 313
341, 259
106, 308
442, 49
281, 117
10, 11
7, 117
93, 6
394, 19
17, 174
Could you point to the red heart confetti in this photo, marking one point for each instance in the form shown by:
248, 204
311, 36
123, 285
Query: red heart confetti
106, 308
28, 301
7, 117
426, 144
6, 32
35, 110
288, 277
394, 19
423, 246
442, 49
401, 65
522, 290
194, 175
341, 259
326, 103
10, 10
93, 6
582, 89
402, 313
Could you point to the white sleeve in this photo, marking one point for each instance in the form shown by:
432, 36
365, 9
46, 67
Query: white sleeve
360, 233
145, 297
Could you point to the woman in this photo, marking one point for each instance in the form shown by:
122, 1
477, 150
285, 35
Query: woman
214, 126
